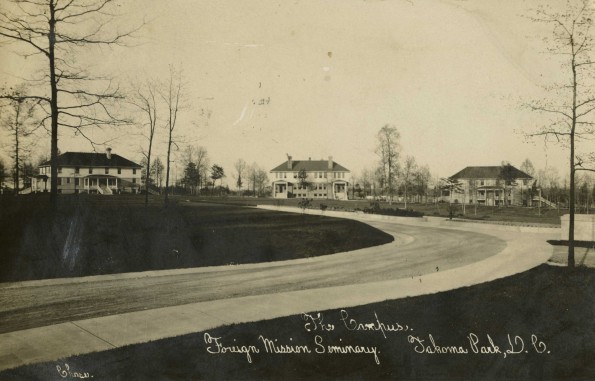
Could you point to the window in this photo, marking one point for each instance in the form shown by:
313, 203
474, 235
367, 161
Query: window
107, 171
59, 169
133, 181
325, 175
119, 171
59, 181
481, 182
90, 171
134, 171
76, 182
68, 180
76, 170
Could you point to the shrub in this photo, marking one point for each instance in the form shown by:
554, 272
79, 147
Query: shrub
304, 203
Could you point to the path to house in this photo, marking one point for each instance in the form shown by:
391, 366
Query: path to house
51, 319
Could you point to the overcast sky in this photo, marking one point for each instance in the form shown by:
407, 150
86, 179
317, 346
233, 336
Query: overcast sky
448, 74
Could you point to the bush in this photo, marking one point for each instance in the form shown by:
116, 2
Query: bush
323, 207
304, 203
376, 209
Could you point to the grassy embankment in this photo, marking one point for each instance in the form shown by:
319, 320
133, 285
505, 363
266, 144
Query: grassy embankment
513, 214
106, 235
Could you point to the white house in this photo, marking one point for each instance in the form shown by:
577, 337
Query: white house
326, 179
488, 186
90, 172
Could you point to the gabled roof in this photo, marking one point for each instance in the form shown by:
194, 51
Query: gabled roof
309, 166
489, 172
91, 159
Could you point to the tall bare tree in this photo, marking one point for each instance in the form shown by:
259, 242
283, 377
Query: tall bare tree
145, 100
172, 96
388, 150
59, 30
570, 105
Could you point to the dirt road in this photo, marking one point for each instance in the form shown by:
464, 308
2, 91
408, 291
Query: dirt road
416, 251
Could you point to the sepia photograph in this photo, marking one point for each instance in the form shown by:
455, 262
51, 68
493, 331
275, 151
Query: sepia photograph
297, 189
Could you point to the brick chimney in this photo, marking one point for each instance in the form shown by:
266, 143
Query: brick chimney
330, 162
108, 153
289, 162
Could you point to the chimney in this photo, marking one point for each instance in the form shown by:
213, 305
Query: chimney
289, 162
330, 162
108, 153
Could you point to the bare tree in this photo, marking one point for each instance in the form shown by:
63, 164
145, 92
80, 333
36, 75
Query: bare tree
570, 104
3, 173
157, 172
19, 121
422, 177
145, 100
258, 179
60, 31
409, 168
527, 167
240, 167
388, 150
172, 96
202, 163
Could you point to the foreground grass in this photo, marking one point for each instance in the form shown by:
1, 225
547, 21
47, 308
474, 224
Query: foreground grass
548, 314
107, 235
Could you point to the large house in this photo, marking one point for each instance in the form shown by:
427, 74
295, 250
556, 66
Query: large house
89, 172
492, 185
325, 179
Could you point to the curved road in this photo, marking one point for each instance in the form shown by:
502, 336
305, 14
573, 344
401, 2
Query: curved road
51, 319
416, 251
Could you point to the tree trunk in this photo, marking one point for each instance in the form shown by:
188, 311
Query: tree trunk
53, 109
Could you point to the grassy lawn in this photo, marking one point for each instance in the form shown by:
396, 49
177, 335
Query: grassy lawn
550, 310
513, 214
90, 235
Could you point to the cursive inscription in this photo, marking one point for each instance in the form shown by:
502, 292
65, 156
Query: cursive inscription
216, 347
65, 372
268, 345
514, 345
376, 325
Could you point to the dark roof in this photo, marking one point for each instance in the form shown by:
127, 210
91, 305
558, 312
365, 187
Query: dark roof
490, 172
309, 166
91, 159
